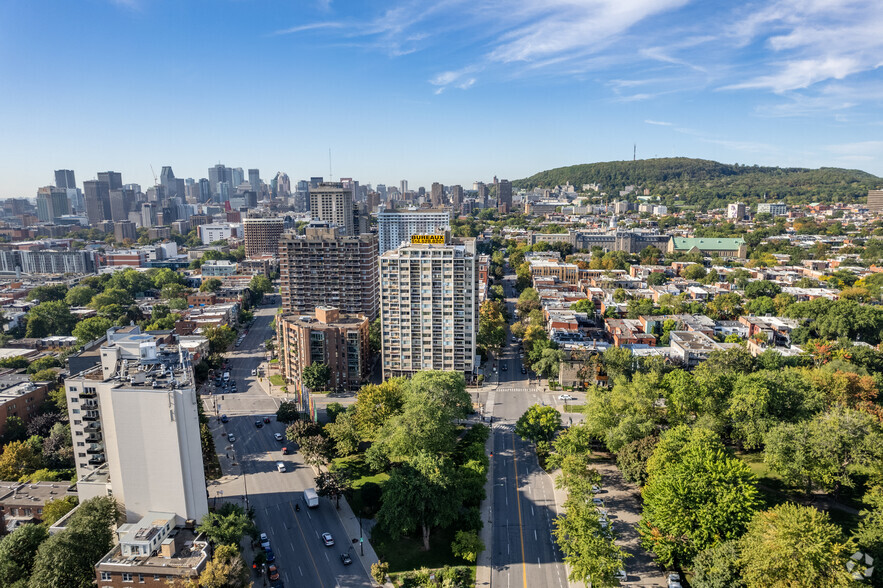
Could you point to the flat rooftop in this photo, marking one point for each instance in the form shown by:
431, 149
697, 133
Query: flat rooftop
190, 556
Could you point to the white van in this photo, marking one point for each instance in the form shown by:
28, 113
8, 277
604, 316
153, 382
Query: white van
226, 376
254, 372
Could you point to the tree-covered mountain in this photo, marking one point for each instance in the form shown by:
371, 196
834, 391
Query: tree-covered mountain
712, 184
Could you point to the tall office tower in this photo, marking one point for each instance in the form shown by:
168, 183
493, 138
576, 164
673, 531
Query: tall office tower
216, 175
481, 197
223, 191
97, 201
325, 268
381, 190
123, 230
333, 203
251, 198
205, 190
403, 187
114, 179
437, 194
254, 178
457, 197
262, 235
121, 202
504, 196
52, 203
236, 176
396, 227
173, 186
64, 178
148, 214
429, 308
302, 197
137, 412
283, 185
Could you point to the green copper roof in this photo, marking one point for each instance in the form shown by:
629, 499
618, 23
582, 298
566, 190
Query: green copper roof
708, 244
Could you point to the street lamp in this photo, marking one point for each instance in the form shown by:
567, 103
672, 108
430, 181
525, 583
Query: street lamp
361, 539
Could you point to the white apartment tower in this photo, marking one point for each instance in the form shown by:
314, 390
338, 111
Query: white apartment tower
331, 202
135, 428
396, 227
429, 308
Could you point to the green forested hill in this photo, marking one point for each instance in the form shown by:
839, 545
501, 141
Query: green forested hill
712, 184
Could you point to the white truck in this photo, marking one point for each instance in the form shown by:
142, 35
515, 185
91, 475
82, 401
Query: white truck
311, 498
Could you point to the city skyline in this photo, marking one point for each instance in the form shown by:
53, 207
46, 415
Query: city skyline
455, 93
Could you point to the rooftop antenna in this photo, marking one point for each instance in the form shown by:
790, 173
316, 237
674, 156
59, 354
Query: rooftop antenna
330, 175
635, 152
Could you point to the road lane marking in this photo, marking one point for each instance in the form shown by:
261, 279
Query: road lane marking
518, 499
535, 535
309, 551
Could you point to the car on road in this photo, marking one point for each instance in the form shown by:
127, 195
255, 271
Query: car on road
271, 557
674, 580
254, 372
523, 370
505, 367
267, 420
280, 466
230, 437
224, 418
273, 572
565, 397
258, 423
345, 559
327, 539
284, 451
265, 541
277, 436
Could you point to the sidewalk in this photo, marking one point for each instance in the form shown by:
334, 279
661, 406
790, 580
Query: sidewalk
350, 523
483, 564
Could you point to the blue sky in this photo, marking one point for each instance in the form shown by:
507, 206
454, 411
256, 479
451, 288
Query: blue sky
451, 91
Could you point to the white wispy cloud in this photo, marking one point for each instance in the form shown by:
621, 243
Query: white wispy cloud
659, 123
309, 27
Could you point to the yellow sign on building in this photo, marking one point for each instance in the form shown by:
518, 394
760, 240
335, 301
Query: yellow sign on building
430, 239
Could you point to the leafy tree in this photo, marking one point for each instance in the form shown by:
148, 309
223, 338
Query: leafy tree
164, 276
227, 526
48, 375
791, 545
260, 285
225, 570
694, 272
626, 412
656, 279
375, 331
316, 375
632, 459
762, 305
333, 485
67, 559
41, 424
316, 450
491, 325
426, 425
696, 495
287, 412
617, 361
584, 305
172, 290
50, 318
210, 285
538, 423
301, 429
467, 545
49, 361
16, 430
718, 567
111, 296
448, 387
55, 509
48, 293
219, 337
376, 404
528, 301
334, 410
18, 459
419, 494
548, 363
344, 432
57, 450
91, 328
868, 535
760, 288
17, 553
762, 399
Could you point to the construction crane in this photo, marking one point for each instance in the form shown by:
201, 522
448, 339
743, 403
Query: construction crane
155, 181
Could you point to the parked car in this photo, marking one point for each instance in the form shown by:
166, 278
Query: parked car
230, 437
271, 557
280, 466
258, 423
674, 580
224, 418
523, 370
505, 367
277, 436
284, 451
254, 372
345, 559
565, 397
267, 420
621, 575
265, 541
273, 572
327, 539
598, 502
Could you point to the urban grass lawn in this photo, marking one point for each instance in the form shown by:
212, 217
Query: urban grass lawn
360, 474
277, 380
406, 553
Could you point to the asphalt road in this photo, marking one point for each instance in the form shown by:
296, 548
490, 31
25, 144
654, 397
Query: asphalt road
524, 551
295, 537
